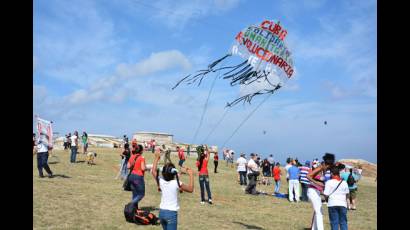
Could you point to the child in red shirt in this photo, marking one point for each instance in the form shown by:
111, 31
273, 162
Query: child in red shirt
276, 172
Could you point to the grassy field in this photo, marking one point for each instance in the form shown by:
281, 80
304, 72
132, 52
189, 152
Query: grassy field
88, 197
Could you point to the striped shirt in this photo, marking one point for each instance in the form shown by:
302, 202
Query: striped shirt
304, 170
328, 176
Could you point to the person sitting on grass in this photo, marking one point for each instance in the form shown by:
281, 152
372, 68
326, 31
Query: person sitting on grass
170, 186
337, 190
202, 164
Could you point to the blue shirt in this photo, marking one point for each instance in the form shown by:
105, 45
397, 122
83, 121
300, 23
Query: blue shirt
345, 175
293, 173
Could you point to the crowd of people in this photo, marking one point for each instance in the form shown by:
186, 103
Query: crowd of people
326, 182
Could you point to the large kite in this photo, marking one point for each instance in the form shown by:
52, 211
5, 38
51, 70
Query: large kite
267, 67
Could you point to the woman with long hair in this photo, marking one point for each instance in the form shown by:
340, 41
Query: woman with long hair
170, 186
316, 187
202, 164
137, 166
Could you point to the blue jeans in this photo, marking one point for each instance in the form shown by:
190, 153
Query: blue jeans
204, 182
242, 177
42, 159
338, 217
277, 186
168, 219
124, 169
138, 188
73, 154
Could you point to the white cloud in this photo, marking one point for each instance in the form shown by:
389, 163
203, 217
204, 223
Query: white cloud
75, 41
176, 14
349, 39
112, 87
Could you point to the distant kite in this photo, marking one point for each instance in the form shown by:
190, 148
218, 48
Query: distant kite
267, 67
264, 132
325, 122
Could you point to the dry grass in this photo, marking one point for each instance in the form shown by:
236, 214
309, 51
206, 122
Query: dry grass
92, 199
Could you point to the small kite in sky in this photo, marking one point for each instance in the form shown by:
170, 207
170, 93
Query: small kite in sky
325, 122
267, 66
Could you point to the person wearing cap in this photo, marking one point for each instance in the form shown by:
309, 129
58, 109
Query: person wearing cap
304, 170
241, 168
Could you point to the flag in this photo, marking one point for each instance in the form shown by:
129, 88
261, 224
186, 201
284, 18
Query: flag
45, 132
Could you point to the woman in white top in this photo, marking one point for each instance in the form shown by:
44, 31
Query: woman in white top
169, 186
337, 190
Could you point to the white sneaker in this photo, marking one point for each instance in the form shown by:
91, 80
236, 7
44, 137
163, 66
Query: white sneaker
202, 202
210, 201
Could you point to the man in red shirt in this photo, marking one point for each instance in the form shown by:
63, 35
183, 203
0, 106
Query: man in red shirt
181, 156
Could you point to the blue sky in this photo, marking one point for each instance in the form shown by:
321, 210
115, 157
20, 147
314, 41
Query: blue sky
107, 67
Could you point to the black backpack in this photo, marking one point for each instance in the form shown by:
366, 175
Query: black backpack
138, 216
350, 180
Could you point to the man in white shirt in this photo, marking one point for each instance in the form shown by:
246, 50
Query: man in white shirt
289, 164
241, 168
74, 144
42, 159
253, 173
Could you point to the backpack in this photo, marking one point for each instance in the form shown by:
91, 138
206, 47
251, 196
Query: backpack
350, 180
138, 216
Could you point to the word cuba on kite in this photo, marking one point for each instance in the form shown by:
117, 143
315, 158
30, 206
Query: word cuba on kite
267, 66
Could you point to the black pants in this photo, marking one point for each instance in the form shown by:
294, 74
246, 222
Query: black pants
304, 192
242, 177
204, 183
251, 188
42, 162
216, 166
153, 149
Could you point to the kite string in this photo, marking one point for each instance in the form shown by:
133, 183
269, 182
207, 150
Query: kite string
217, 124
205, 108
246, 118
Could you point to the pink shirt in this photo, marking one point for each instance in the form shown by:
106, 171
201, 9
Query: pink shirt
317, 187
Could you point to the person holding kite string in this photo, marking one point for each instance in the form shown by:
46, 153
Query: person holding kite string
169, 186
